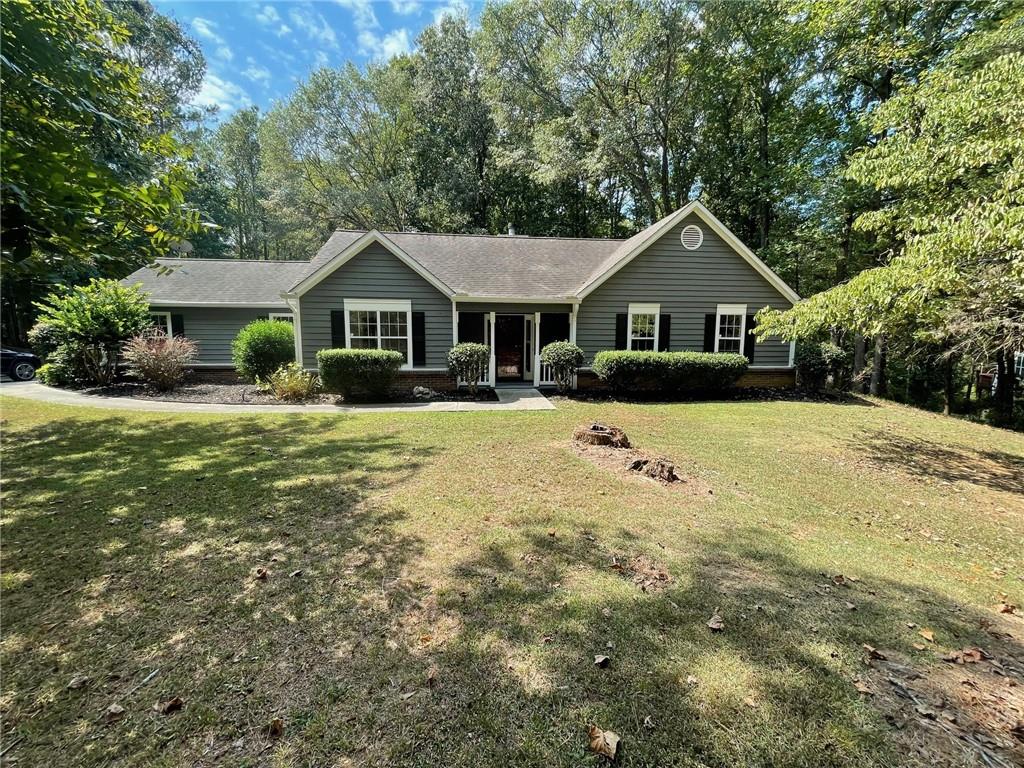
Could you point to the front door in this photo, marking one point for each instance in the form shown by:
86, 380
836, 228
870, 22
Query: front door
509, 332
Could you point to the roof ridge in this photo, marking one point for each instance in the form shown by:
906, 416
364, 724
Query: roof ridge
235, 261
496, 237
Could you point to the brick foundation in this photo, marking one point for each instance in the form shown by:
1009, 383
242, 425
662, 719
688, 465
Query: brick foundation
225, 375
440, 382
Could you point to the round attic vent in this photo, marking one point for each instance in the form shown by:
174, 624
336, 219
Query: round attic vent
692, 236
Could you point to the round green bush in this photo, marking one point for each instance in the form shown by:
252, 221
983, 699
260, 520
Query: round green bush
669, 372
565, 358
262, 347
816, 361
469, 362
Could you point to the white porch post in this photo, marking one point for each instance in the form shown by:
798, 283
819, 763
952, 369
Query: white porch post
536, 349
572, 334
492, 366
455, 323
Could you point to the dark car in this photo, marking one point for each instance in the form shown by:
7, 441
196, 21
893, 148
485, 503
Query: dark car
20, 366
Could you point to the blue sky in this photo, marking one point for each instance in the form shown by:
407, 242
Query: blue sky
256, 52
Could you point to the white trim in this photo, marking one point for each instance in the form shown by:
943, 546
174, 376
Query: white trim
731, 310
381, 305
295, 305
700, 237
373, 236
216, 304
513, 300
792, 354
637, 309
455, 324
656, 230
168, 326
492, 363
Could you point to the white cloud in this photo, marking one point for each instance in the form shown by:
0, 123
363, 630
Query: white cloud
320, 59
405, 7
392, 44
221, 93
268, 15
283, 30
314, 25
363, 16
255, 72
450, 8
207, 30
224, 52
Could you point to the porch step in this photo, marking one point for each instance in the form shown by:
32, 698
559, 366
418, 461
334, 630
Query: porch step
523, 399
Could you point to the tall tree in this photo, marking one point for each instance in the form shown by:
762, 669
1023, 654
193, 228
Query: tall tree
240, 159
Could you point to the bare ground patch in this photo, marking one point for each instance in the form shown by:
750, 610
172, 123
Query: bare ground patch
621, 462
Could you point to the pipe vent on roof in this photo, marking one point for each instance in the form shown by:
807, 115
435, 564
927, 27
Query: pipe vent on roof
691, 236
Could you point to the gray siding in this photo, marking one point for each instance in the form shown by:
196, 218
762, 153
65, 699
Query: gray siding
688, 285
214, 328
375, 273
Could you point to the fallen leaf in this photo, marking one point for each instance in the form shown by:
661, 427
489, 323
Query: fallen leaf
261, 574
874, 653
296, 572
970, 655
839, 580
169, 706
924, 712
750, 702
691, 680
408, 695
1006, 608
927, 634
1017, 731
275, 728
920, 646
604, 743
851, 606
863, 687
432, 675
601, 661
78, 681
552, 532
113, 713
716, 623
649, 722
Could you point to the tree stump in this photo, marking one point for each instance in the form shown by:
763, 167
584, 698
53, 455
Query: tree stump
601, 434
659, 469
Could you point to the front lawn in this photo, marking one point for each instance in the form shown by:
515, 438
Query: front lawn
431, 589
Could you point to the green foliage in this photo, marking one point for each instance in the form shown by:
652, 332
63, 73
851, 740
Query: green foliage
92, 321
63, 367
87, 185
160, 360
565, 358
669, 372
262, 347
822, 363
291, 383
44, 339
469, 362
359, 373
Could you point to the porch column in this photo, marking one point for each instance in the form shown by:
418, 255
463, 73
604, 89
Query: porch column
492, 365
536, 349
572, 334
455, 323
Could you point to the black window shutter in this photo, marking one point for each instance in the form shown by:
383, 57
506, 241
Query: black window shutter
621, 342
338, 328
262, 317
664, 333
177, 325
709, 333
419, 338
750, 343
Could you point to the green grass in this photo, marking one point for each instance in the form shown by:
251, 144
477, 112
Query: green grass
436, 621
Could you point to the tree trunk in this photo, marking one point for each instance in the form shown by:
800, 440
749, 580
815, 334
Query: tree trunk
969, 406
948, 368
1003, 405
878, 367
860, 347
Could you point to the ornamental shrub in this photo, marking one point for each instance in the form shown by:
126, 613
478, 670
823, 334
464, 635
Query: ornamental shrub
91, 322
359, 373
822, 363
564, 358
669, 372
262, 347
291, 383
44, 338
468, 362
160, 360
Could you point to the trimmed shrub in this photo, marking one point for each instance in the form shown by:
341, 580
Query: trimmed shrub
820, 364
44, 338
160, 360
91, 322
669, 372
565, 358
291, 383
359, 373
63, 367
468, 362
262, 347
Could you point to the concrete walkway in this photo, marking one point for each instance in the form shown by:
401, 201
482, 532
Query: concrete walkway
519, 399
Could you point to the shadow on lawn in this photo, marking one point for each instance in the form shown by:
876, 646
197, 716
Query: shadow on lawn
995, 469
366, 665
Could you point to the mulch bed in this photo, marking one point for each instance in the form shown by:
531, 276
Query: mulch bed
249, 394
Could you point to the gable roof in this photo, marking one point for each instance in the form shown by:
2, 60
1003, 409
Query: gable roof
485, 266
218, 282
477, 266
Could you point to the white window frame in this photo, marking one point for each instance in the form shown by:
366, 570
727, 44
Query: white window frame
731, 309
288, 317
168, 328
1018, 365
378, 306
643, 309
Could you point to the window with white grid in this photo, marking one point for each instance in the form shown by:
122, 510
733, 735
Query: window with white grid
379, 325
643, 327
730, 326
